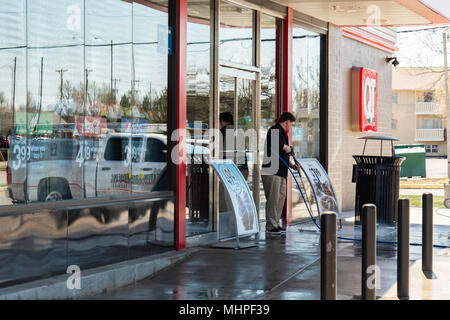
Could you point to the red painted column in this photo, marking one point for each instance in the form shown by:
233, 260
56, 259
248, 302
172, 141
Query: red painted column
180, 50
286, 98
278, 58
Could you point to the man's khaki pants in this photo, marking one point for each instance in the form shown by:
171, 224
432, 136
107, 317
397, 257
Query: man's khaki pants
275, 191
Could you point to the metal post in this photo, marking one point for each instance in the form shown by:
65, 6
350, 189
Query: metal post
328, 261
427, 232
369, 251
13, 99
61, 75
447, 94
41, 77
113, 100
403, 249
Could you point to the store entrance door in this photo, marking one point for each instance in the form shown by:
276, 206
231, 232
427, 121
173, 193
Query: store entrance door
237, 89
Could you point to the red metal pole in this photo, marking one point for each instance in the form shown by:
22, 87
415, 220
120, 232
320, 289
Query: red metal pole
278, 58
180, 51
286, 98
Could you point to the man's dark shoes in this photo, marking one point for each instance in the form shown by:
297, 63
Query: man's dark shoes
281, 229
273, 231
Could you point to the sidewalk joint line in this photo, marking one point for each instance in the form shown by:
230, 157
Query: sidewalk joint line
293, 275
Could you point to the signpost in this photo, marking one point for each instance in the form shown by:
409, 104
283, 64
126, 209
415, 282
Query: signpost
321, 185
90, 126
134, 125
241, 200
37, 124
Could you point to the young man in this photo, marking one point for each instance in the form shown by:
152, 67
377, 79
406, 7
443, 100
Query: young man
274, 171
225, 119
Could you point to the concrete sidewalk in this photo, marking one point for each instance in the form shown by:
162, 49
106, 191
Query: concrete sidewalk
96, 280
288, 267
419, 192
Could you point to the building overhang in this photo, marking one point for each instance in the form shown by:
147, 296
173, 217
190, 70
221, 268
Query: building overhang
374, 13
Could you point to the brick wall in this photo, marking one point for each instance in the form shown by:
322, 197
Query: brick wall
344, 54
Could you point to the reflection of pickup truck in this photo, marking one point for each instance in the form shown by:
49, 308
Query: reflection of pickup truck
57, 169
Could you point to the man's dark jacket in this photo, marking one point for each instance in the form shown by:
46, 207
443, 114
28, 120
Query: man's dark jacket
282, 140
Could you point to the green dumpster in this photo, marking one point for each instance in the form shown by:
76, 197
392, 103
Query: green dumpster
414, 164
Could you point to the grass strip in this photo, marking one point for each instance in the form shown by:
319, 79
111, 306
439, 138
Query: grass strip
416, 200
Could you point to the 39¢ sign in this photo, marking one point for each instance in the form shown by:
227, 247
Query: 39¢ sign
364, 100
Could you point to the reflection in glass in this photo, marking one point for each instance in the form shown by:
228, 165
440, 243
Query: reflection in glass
55, 71
268, 90
24, 252
227, 87
198, 111
236, 97
244, 147
97, 236
13, 95
306, 92
83, 75
306, 103
236, 34
227, 90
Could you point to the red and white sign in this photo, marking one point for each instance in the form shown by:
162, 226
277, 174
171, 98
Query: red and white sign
365, 100
90, 126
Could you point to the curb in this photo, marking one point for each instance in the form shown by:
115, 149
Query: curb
97, 280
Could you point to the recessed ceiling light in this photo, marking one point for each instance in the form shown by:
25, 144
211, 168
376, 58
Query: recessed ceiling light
377, 22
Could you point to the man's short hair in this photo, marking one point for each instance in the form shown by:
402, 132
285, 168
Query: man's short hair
286, 116
226, 117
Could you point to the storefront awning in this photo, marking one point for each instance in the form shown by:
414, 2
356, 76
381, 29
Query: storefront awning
375, 12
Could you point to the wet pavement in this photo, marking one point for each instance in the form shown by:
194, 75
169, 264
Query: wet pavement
285, 267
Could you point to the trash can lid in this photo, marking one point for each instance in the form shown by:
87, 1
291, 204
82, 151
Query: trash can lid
380, 138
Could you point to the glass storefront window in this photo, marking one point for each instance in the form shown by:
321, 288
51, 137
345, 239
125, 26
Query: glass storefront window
85, 100
306, 92
198, 186
268, 90
13, 90
236, 34
306, 107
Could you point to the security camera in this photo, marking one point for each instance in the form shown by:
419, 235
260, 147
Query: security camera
394, 60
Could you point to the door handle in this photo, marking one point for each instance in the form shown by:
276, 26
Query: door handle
146, 169
106, 169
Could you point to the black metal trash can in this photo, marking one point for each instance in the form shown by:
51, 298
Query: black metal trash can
378, 182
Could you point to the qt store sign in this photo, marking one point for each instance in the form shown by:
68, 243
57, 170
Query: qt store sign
364, 100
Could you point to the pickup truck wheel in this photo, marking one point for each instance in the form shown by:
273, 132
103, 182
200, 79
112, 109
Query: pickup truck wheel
53, 191
54, 196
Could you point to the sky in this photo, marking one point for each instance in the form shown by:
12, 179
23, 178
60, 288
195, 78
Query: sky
422, 47
441, 6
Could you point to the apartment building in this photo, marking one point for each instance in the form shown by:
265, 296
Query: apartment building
418, 108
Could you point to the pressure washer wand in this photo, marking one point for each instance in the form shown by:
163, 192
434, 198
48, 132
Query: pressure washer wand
300, 176
293, 157
307, 202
